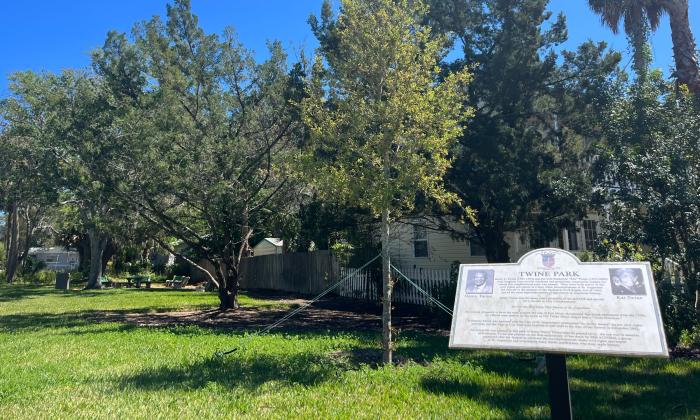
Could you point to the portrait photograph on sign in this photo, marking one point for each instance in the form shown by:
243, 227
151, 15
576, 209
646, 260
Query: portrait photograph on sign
480, 281
627, 281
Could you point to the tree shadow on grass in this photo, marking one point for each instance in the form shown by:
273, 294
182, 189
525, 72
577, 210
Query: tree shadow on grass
612, 389
10, 293
634, 388
515, 390
249, 372
20, 322
19, 292
38, 321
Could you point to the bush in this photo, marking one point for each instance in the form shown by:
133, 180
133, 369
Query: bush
343, 251
77, 276
159, 266
690, 339
678, 312
33, 266
43, 277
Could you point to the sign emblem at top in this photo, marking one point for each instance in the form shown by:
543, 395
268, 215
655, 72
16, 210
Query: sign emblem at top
548, 260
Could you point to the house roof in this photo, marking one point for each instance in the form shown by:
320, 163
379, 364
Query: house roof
53, 249
274, 241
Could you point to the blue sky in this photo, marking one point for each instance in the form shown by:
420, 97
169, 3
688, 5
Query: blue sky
50, 35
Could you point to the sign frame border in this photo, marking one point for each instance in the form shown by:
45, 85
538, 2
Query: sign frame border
664, 354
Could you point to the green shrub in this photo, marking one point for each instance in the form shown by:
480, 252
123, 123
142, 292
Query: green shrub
678, 311
690, 339
343, 251
77, 276
41, 277
159, 266
33, 266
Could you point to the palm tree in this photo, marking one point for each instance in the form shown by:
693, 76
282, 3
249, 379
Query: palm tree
684, 49
637, 16
640, 16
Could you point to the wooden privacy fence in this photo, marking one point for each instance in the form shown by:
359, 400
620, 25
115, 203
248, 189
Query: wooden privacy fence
312, 272
367, 285
298, 272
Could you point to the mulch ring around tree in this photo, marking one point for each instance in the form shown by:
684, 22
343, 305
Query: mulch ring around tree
330, 313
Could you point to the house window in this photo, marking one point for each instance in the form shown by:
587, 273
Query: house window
476, 249
573, 239
590, 234
50, 258
420, 242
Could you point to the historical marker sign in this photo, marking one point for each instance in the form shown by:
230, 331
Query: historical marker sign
551, 302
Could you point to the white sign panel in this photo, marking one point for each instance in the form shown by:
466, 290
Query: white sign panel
551, 302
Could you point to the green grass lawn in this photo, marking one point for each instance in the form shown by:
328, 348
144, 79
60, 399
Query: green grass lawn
57, 361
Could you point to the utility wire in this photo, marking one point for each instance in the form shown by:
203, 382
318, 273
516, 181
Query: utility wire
306, 305
332, 288
424, 293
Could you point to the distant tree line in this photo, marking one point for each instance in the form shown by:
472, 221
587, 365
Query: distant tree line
180, 140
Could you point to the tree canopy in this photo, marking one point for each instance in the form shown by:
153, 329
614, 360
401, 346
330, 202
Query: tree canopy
520, 163
381, 118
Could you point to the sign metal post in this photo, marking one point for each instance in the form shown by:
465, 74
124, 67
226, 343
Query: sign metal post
559, 396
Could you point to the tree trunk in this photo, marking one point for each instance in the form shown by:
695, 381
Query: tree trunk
639, 45
228, 285
684, 48
387, 289
83, 246
245, 234
496, 247
228, 270
98, 243
12, 243
146, 252
26, 244
109, 250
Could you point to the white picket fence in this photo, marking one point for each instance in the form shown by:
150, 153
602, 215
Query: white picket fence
367, 285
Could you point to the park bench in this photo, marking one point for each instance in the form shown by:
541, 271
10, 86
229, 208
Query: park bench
105, 282
177, 282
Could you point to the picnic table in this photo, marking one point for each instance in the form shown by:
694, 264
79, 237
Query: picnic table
138, 280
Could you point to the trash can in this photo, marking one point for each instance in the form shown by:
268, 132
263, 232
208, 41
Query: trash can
62, 281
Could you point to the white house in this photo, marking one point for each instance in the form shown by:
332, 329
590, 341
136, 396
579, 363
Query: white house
420, 245
57, 258
268, 246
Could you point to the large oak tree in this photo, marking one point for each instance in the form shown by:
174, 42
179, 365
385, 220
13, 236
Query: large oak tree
207, 139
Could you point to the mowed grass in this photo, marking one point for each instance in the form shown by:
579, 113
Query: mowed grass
57, 361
